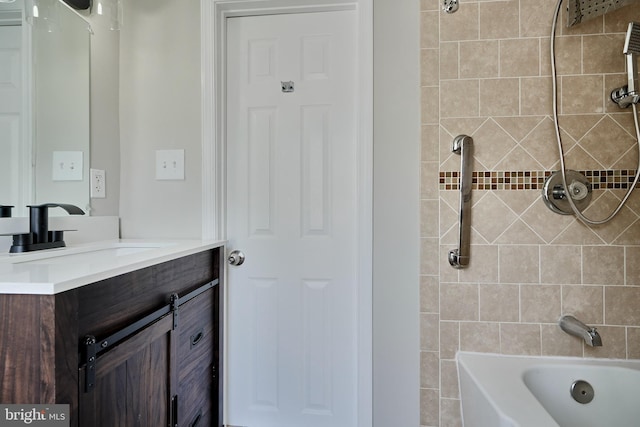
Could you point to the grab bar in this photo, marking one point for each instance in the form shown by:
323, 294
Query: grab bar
463, 145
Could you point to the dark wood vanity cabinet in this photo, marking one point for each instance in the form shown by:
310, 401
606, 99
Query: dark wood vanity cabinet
140, 349
132, 384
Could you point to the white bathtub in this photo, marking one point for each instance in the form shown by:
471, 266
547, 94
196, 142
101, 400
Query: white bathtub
514, 391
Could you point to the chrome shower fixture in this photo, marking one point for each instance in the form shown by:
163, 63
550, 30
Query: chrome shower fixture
553, 197
450, 6
582, 10
554, 193
629, 93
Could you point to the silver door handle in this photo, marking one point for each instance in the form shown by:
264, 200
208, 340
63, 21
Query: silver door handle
236, 258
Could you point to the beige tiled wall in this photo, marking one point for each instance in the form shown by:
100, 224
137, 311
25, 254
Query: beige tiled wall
486, 73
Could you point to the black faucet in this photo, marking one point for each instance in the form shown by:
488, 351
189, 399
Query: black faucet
5, 211
39, 237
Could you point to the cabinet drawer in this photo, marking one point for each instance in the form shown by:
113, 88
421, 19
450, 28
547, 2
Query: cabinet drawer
196, 333
196, 340
195, 400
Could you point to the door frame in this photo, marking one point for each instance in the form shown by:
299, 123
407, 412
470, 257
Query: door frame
213, 56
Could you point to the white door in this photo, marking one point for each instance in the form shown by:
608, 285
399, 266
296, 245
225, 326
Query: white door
292, 210
10, 113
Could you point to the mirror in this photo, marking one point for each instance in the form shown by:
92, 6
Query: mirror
44, 107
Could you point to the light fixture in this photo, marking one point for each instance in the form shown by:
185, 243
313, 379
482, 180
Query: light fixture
112, 9
45, 9
42, 13
31, 10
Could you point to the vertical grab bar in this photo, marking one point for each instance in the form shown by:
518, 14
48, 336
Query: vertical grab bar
463, 145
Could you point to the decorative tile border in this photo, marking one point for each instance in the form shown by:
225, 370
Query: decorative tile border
534, 180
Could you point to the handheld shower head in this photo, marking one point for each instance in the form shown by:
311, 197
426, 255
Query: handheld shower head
630, 94
632, 40
631, 49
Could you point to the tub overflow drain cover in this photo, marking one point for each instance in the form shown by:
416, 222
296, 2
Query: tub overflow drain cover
582, 392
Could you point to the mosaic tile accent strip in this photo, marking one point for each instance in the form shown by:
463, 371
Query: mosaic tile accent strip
534, 180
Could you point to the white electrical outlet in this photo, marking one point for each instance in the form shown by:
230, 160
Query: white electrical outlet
170, 164
98, 184
67, 166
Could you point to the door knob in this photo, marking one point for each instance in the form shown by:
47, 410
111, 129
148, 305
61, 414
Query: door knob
236, 258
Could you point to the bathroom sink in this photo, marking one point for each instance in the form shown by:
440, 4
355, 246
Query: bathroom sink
516, 391
83, 254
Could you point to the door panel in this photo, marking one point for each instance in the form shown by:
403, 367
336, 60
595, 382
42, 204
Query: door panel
291, 203
10, 112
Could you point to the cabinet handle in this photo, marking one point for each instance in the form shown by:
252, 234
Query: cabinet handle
196, 420
174, 411
196, 338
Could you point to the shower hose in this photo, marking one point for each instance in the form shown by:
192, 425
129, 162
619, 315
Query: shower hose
577, 212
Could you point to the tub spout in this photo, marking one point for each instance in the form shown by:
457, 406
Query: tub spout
574, 327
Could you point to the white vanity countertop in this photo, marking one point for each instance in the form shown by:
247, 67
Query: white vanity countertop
49, 272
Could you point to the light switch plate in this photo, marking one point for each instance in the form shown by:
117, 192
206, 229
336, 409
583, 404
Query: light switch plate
67, 166
170, 164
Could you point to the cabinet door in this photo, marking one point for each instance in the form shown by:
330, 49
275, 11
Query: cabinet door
196, 341
132, 382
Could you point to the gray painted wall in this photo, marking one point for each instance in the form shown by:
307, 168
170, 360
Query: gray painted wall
160, 109
396, 346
